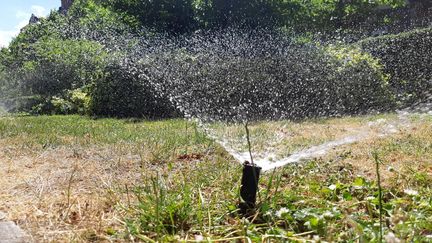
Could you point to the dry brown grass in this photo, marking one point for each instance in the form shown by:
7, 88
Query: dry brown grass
405, 152
62, 194
57, 174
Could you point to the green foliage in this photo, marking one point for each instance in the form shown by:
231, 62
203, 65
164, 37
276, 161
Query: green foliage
54, 68
120, 92
59, 65
305, 15
88, 15
362, 81
253, 13
50, 59
71, 102
47, 27
81, 101
406, 57
327, 15
298, 15
21, 48
3, 78
160, 15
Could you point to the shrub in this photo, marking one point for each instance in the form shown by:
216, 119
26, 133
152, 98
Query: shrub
121, 92
54, 74
407, 58
81, 101
361, 82
72, 102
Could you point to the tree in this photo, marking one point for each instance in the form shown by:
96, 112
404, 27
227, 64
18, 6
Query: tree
174, 16
247, 13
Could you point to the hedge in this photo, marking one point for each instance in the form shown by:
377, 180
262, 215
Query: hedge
407, 58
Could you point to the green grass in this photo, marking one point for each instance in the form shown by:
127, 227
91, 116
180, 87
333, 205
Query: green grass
102, 131
193, 189
163, 137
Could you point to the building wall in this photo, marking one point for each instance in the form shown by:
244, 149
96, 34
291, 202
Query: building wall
65, 5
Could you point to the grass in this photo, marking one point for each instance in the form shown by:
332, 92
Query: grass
70, 178
66, 130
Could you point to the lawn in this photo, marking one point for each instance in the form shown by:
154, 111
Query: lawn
72, 178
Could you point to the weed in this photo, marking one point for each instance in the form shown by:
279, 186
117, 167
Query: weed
380, 206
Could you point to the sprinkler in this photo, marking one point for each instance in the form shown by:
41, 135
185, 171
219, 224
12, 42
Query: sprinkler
249, 187
249, 183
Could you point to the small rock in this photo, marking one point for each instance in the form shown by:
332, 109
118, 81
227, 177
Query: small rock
199, 238
11, 233
2, 216
391, 238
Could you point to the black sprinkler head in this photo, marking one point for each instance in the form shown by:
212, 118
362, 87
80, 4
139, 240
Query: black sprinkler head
249, 187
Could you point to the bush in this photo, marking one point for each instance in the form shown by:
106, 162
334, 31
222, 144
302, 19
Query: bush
407, 58
80, 101
55, 72
121, 92
72, 102
361, 83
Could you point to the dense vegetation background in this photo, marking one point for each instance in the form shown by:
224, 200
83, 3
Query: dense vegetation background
103, 57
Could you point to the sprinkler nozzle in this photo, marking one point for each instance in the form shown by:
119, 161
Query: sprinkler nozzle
249, 187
